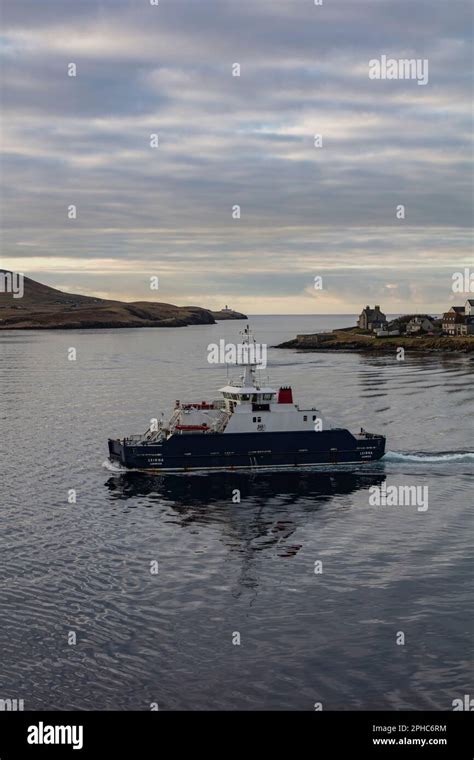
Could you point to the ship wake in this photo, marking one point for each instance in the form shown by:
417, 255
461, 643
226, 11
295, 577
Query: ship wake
114, 467
420, 457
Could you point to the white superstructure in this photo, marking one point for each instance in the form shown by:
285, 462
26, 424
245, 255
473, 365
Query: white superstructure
245, 406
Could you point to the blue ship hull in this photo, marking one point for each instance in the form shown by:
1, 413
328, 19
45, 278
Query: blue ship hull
226, 451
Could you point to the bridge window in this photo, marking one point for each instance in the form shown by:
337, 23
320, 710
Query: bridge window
260, 407
305, 418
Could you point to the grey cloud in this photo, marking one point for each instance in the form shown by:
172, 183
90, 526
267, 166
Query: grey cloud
227, 141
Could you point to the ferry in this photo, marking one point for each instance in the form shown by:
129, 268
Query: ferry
250, 426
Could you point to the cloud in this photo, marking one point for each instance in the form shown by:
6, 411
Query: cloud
245, 140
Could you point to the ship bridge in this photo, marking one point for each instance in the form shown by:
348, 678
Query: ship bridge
247, 395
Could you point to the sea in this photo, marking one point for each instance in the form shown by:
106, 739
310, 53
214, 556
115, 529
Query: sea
127, 591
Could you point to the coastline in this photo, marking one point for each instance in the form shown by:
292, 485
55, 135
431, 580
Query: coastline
40, 307
351, 341
110, 320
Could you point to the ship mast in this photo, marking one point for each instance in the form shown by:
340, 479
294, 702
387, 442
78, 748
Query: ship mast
248, 377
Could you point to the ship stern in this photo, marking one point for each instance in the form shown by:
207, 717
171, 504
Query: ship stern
117, 451
370, 446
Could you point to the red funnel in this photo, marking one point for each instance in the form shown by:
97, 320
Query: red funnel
285, 396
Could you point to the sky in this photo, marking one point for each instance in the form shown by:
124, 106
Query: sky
306, 212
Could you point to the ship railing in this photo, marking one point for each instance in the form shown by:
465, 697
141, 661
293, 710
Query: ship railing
216, 425
152, 436
221, 423
133, 438
218, 403
366, 435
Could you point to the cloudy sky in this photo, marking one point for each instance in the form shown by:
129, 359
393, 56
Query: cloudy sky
224, 140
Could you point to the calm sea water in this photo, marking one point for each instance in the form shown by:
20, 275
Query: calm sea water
227, 568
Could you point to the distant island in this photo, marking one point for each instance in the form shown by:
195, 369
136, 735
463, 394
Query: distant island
454, 332
41, 307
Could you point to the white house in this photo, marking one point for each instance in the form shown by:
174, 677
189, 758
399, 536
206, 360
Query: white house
469, 307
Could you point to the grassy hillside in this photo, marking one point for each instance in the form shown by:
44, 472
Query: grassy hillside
43, 307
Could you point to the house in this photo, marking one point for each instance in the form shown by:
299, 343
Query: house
420, 324
452, 319
372, 319
469, 307
395, 326
467, 328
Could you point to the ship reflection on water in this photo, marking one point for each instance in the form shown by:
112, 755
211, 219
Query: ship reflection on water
272, 506
190, 494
